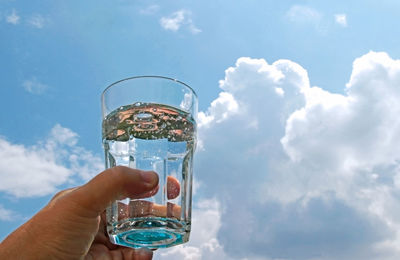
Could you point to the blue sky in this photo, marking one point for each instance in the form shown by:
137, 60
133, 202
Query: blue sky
298, 154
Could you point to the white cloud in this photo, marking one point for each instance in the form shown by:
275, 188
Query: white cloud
203, 243
174, 21
41, 169
13, 18
301, 13
303, 173
303, 16
178, 19
150, 10
192, 28
341, 19
7, 215
220, 109
37, 21
34, 86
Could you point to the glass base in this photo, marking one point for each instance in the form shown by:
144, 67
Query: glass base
149, 232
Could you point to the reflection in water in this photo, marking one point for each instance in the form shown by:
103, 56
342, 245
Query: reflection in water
143, 208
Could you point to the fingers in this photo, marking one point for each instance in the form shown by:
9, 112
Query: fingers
173, 187
122, 182
142, 208
115, 183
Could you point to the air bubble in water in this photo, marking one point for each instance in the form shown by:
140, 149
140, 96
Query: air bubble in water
144, 117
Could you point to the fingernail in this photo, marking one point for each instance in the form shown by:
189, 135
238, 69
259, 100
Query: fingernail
149, 177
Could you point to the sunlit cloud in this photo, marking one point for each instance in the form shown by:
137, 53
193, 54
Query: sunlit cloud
178, 19
341, 19
203, 243
13, 18
39, 170
302, 168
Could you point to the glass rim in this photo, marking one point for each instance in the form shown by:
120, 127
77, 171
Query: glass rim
148, 76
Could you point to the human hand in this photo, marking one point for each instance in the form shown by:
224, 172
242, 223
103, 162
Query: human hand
71, 226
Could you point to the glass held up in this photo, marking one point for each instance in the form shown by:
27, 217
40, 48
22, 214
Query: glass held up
149, 124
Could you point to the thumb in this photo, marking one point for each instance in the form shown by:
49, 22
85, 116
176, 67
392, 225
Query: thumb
112, 184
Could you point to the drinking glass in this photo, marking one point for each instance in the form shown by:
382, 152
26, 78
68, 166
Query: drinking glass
149, 124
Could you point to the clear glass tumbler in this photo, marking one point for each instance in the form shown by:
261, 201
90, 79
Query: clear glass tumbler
149, 124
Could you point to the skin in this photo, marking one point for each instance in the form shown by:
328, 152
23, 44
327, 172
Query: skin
143, 208
173, 187
72, 225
